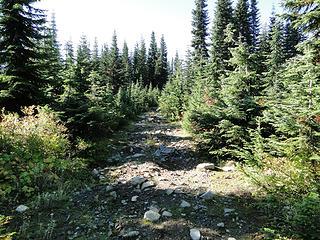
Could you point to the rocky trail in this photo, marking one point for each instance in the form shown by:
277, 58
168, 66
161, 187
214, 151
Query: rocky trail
160, 189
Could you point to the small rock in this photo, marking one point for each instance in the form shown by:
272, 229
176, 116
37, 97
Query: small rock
155, 208
137, 155
208, 195
147, 185
205, 166
228, 210
228, 169
151, 216
131, 234
185, 204
109, 188
195, 234
22, 208
95, 172
167, 214
137, 180
134, 198
113, 194
231, 238
124, 202
220, 225
169, 191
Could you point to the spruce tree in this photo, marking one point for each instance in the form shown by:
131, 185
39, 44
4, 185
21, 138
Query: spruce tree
126, 63
220, 53
199, 31
152, 61
242, 22
254, 22
20, 29
142, 64
292, 37
95, 61
115, 74
161, 70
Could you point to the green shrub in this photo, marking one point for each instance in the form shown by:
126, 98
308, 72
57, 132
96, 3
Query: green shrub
305, 216
3, 235
33, 151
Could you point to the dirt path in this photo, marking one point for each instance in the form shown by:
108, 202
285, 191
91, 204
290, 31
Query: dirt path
142, 198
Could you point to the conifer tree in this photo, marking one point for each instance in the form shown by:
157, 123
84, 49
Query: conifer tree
263, 50
69, 70
199, 31
242, 22
220, 53
95, 61
142, 64
152, 61
161, 70
21, 83
115, 74
254, 22
126, 63
292, 37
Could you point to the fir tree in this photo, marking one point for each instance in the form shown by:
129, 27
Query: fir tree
220, 53
20, 29
292, 37
161, 70
199, 31
95, 61
242, 22
152, 61
254, 22
126, 63
115, 74
142, 64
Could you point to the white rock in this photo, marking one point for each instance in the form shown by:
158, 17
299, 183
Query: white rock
167, 214
147, 185
169, 191
113, 194
228, 210
134, 199
131, 234
195, 234
208, 195
185, 204
155, 208
22, 208
151, 216
95, 172
137, 180
124, 202
221, 225
231, 238
205, 166
228, 169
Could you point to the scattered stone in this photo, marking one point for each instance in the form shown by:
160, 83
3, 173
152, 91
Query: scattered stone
220, 225
208, 195
137, 155
195, 234
137, 180
151, 216
185, 204
168, 151
113, 194
22, 208
228, 210
155, 208
167, 214
228, 169
147, 185
178, 191
95, 172
169, 191
231, 238
124, 202
134, 199
205, 166
109, 188
131, 234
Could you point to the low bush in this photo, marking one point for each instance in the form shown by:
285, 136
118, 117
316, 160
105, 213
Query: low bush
33, 152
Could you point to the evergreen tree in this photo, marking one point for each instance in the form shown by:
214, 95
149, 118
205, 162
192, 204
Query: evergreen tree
135, 63
220, 53
152, 61
126, 63
263, 50
83, 66
242, 22
254, 22
115, 74
142, 64
69, 70
95, 61
52, 61
199, 31
20, 29
161, 70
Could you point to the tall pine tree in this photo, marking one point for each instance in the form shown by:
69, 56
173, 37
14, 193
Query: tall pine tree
20, 29
152, 61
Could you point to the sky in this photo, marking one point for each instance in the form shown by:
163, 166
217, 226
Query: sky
132, 20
